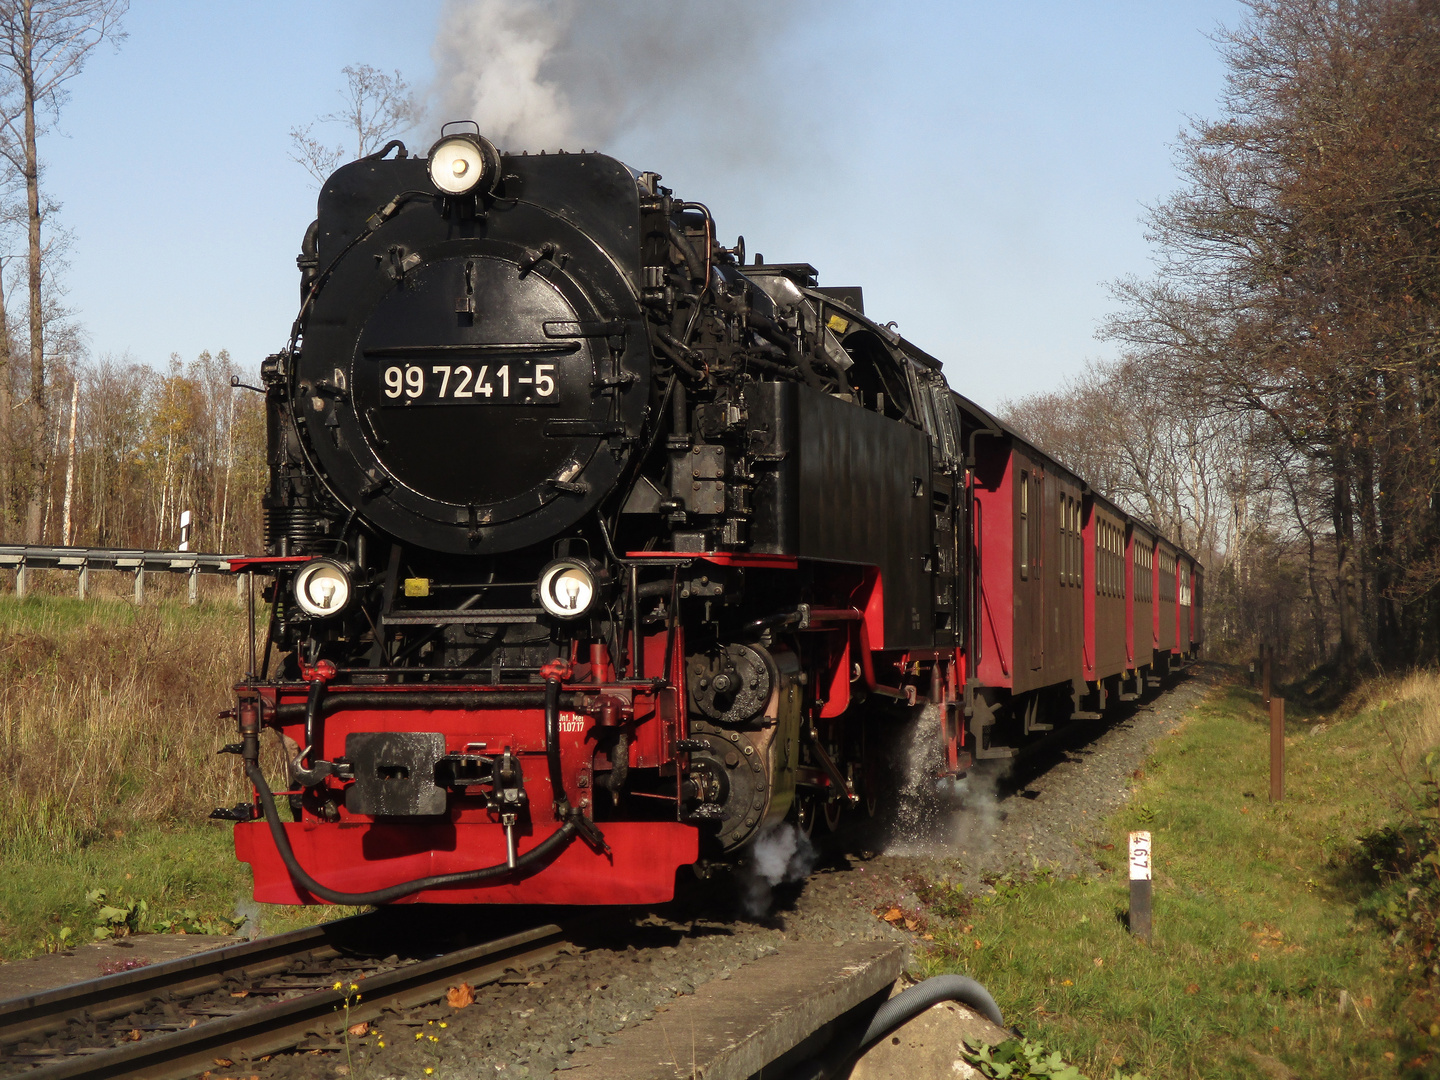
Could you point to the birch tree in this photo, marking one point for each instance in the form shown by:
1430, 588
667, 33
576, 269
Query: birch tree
43, 45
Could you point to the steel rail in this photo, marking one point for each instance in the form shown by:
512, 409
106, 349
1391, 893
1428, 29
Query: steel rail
265, 1029
115, 995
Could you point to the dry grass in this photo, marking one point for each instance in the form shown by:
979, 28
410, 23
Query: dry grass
1406, 709
108, 716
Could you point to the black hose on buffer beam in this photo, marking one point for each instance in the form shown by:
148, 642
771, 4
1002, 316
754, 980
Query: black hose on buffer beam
529, 862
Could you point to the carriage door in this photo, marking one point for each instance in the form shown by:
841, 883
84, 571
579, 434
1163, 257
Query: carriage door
1035, 631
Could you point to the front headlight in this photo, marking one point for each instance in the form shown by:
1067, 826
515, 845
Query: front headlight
322, 587
567, 588
460, 164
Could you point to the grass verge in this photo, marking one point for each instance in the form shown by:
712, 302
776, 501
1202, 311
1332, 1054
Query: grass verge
1264, 961
108, 733
154, 879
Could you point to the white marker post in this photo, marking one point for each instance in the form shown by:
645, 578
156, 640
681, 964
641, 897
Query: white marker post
1140, 885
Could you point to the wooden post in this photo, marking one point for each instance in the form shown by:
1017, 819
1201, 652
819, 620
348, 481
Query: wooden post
21, 581
140, 584
83, 589
1277, 749
1140, 890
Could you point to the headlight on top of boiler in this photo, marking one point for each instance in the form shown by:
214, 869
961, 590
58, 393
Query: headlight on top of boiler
322, 588
464, 163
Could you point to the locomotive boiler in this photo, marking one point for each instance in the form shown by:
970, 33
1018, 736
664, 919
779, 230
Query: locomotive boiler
595, 549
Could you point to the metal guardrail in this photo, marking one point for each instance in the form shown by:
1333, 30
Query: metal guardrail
22, 558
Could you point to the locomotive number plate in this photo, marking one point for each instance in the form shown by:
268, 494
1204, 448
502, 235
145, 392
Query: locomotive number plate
519, 382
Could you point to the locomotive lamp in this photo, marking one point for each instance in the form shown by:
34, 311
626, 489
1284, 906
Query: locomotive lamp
463, 163
322, 588
568, 588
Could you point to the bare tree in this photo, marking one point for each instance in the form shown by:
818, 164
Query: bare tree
377, 107
43, 45
1299, 284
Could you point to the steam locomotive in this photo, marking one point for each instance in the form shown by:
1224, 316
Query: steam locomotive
595, 550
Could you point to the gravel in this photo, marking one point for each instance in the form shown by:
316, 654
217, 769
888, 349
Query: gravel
1044, 812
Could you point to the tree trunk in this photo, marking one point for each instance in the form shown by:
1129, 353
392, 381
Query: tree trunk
70, 467
7, 353
1347, 571
229, 463
38, 405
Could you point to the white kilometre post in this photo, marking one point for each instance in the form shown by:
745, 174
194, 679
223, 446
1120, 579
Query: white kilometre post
1140, 894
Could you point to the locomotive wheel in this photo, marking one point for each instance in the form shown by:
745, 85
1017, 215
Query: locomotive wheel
834, 812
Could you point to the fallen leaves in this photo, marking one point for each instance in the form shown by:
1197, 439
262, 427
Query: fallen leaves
459, 997
1099, 961
1267, 937
1192, 988
897, 918
224, 1063
362, 1028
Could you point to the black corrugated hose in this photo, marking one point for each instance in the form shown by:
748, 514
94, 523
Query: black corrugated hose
900, 1009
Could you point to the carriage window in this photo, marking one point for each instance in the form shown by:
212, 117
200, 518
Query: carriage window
1061, 554
1070, 541
1111, 562
1074, 542
1103, 570
1109, 559
1064, 540
1024, 525
1120, 565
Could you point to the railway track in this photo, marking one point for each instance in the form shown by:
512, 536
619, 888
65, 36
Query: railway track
172, 1019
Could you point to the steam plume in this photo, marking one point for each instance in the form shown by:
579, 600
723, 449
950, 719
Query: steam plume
781, 855
550, 74
926, 823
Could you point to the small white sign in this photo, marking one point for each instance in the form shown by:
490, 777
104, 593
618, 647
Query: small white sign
1139, 856
570, 723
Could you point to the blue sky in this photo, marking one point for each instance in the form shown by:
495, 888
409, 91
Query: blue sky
980, 169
